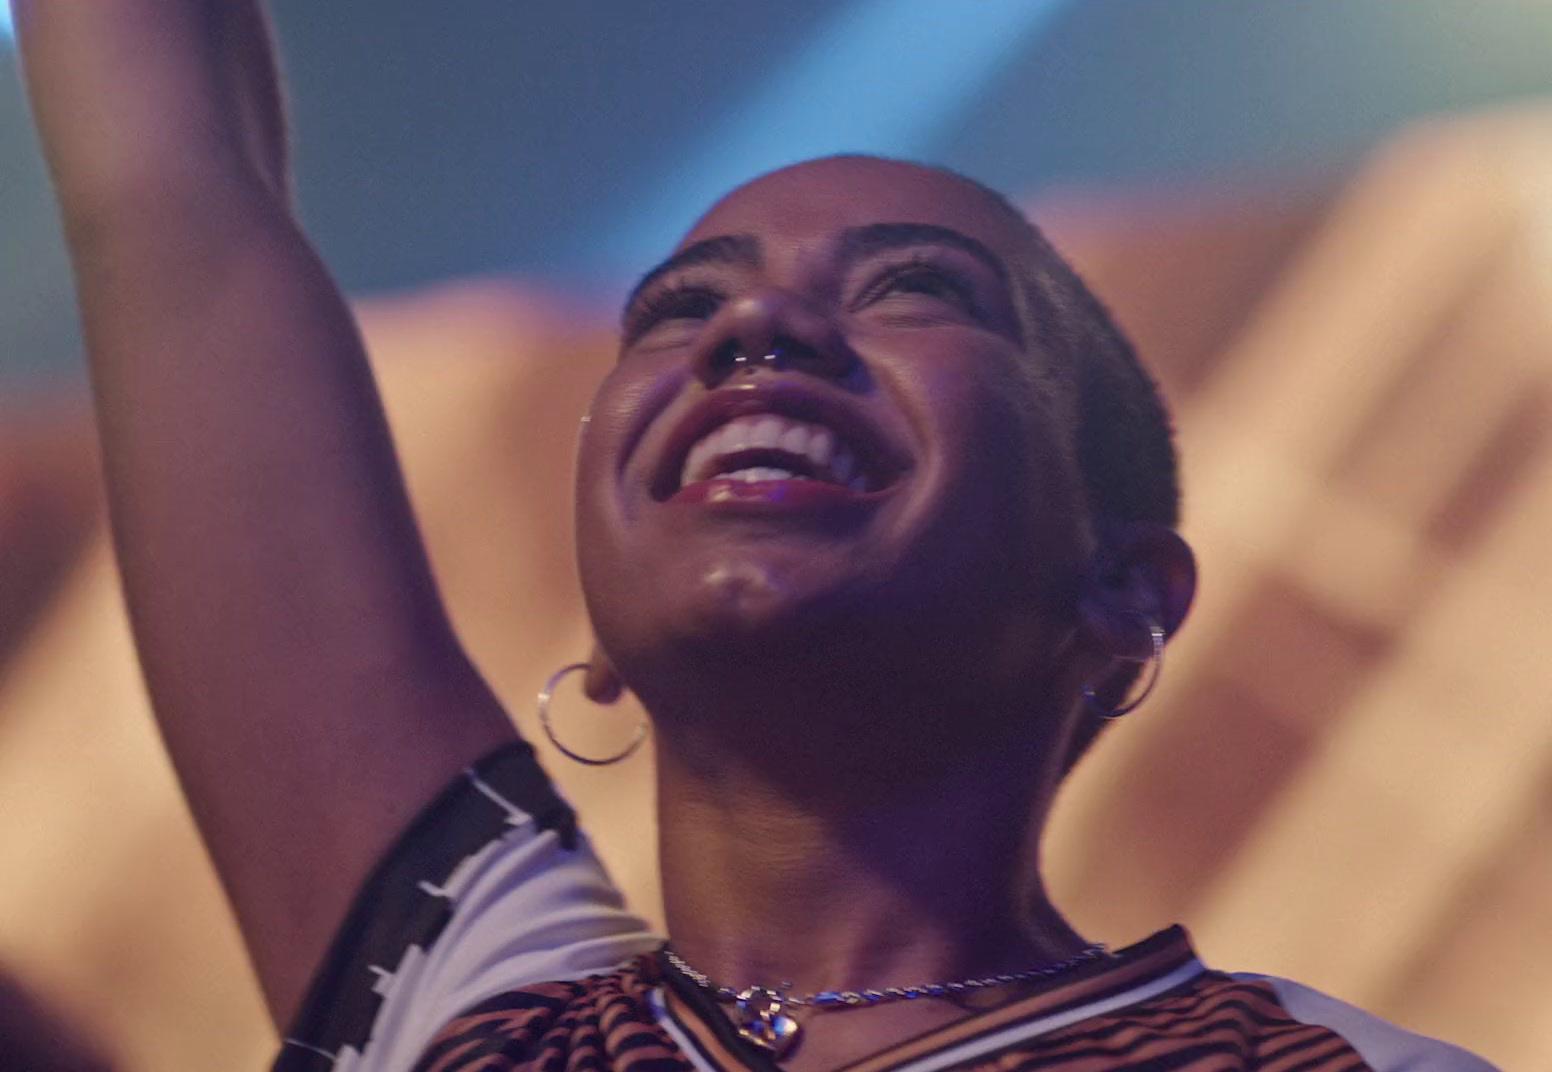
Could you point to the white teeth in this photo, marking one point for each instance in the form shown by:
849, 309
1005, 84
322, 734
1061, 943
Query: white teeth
762, 472
821, 442
766, 432
700, 454
736, 436
692, 463
816, 444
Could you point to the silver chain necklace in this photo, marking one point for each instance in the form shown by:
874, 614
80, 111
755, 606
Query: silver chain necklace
762, 1010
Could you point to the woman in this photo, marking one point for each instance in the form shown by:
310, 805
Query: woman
874, 516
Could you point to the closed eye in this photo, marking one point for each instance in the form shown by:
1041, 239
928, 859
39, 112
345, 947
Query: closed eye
925, 278
693, 303
928, 281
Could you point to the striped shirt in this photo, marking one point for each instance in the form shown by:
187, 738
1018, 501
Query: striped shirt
490, 940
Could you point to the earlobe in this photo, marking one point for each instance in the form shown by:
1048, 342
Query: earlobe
1144, 572
603, 683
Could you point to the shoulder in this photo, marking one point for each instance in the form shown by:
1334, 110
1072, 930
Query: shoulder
490, 891
1383, 1046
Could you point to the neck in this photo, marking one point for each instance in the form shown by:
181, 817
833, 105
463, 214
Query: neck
855, 879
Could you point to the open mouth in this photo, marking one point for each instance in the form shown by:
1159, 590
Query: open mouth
758, 439
770, 447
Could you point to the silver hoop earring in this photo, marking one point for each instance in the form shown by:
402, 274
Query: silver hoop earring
549, 731
1155, 660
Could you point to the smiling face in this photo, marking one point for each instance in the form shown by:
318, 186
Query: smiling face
830, 452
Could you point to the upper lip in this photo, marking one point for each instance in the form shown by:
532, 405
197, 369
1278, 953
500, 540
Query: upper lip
876, 455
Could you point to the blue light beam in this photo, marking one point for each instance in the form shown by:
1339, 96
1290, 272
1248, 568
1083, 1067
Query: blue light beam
888, 77
5, 19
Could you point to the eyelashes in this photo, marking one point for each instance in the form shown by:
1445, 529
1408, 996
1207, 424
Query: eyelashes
920, 276
683, 302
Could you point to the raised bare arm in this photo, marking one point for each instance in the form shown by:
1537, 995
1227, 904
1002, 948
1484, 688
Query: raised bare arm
301, 666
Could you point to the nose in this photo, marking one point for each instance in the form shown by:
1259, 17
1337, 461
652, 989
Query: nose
771, 331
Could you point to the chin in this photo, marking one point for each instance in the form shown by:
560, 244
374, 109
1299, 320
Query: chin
739, 601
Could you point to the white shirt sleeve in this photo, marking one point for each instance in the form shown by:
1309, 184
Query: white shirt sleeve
481, 896
527, 911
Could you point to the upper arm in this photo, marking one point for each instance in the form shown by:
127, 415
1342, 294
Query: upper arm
303, 671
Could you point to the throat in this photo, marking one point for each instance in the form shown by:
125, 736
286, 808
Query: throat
772, 902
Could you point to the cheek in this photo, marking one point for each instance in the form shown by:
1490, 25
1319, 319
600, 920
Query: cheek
628, 415
1003, 416
612, 426
1035, 430
623, 409
1010, 467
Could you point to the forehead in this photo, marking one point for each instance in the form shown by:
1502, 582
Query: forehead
808, 204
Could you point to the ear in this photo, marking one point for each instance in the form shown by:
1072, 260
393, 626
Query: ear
602, 683
1142, 572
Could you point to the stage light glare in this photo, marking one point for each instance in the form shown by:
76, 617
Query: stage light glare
876, 76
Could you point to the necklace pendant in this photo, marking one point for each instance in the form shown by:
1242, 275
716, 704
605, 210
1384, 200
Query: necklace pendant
763, 1020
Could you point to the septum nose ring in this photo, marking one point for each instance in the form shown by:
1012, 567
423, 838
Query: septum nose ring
769, 359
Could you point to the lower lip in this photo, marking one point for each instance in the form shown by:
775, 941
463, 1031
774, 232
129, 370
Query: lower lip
777, 494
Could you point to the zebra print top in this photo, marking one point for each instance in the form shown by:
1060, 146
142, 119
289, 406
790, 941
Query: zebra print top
1152, 1007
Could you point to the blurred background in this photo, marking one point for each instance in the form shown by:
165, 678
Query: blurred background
1327, 224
